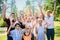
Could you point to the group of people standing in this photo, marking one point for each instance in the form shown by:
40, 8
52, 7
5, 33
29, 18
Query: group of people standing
28, 27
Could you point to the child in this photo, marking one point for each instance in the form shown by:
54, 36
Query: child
17, 33
40, 31
27, 35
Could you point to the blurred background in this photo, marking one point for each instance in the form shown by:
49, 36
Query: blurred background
22, 5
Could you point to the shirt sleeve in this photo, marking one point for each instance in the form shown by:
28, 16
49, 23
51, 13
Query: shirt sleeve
6, 20
52, 17
11, 33
45, 17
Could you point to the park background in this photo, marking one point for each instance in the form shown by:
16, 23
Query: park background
22, 5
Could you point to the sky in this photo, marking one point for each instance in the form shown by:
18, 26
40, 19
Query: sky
21, 4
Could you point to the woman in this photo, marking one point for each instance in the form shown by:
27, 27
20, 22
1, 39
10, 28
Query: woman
40, 31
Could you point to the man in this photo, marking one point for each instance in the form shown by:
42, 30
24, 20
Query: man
10, 21
50, 29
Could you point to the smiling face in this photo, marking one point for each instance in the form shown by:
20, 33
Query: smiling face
12, 15
40, 22
48, 13
27, 31
17, 27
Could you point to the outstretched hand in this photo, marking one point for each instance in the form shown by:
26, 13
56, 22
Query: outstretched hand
4, 7
39, 4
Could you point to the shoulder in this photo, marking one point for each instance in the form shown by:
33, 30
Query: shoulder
6, 19
46, 17
13, 31
52, 15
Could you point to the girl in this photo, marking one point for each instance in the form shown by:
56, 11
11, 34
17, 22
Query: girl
27, 35
40, 31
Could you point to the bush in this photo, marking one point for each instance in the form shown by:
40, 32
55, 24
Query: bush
2, 23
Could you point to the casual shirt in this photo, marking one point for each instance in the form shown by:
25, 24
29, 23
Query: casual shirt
16, 34
50, 20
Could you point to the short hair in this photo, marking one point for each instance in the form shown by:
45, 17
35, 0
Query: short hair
13, 13
48, 11
17, 24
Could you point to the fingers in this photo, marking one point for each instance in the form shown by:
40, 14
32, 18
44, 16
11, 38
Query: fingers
4, 7
39, 4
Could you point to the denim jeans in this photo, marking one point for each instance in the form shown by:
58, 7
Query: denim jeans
50, 34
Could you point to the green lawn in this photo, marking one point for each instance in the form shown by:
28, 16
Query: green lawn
3, 37
57, 31
1, 31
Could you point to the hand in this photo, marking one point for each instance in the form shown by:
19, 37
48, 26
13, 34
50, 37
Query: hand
29, 7
39, 4
4, 7
47, 24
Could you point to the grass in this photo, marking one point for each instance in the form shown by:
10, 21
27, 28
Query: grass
3, 37
57, 31
1, 31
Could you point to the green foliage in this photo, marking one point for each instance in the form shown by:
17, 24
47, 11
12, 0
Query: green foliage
2, 23
49, 5
1, 4
15, 10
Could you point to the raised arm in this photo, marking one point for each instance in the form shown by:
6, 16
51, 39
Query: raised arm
4, 12
29, 10
41, 8
54, 11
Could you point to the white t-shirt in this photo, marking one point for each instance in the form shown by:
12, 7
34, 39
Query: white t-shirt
50, 20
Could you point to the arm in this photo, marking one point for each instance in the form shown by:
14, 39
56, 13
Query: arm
54, 12
4, 12
41, 8
8, 30
47, 24
29, 10
18, 13
36, 31
23, 35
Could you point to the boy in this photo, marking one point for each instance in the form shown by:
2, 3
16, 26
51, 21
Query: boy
17, 33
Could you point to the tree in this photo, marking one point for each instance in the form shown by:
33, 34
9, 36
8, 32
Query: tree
14, 9
1, 4
49, 5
